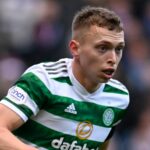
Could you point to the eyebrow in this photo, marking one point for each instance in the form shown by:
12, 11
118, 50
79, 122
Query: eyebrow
107, 42
122, 44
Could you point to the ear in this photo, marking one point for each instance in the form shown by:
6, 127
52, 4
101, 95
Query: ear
74, 48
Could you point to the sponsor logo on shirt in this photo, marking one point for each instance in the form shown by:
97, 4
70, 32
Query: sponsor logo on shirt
71, 109
84, 130
63, 145
17, 95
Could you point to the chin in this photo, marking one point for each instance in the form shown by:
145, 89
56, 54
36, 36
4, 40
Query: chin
104, 80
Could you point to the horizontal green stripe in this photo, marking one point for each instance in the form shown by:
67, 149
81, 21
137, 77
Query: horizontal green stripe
85, 110
111, 89
22, 107
43, 136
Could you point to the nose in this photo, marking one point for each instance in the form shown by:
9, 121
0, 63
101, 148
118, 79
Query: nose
112, 57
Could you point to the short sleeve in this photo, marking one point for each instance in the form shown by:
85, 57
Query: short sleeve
28, 95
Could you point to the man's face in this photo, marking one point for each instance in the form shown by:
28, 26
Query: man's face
100, 53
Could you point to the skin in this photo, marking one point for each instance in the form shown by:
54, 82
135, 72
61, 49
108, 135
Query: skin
99, 50
105, 145
10, 121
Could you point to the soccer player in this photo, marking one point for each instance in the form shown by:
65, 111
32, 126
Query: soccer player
70, 104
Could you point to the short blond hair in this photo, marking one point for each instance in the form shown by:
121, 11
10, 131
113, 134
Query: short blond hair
98, 16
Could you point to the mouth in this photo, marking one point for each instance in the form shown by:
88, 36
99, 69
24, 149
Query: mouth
108, 72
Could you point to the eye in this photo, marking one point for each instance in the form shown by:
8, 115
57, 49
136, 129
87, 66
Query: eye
119, 49
102, 48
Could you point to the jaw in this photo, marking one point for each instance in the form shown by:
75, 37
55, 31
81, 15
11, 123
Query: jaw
85, 79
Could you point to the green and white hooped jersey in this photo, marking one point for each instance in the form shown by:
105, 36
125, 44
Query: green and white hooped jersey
58, 111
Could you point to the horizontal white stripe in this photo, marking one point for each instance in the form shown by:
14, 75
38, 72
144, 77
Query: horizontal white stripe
115, 100
15, 109
101, 98
67, 126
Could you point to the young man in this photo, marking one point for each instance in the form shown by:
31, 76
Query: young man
71, 104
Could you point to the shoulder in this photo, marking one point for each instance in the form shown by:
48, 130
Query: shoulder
50, 69
118, 92
115, 84
47, 72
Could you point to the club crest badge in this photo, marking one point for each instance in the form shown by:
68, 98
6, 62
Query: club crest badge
108, 116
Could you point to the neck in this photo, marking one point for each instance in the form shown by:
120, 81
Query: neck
83, 79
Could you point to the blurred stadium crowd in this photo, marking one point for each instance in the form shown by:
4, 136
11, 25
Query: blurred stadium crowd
32, 31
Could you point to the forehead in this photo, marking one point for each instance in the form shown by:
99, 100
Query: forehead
99, 34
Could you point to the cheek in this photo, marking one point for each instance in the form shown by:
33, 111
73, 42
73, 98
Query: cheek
92, 62
85, 61
89, 58
119, 58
